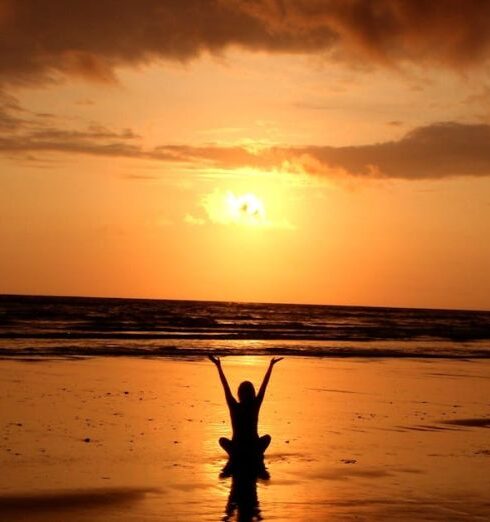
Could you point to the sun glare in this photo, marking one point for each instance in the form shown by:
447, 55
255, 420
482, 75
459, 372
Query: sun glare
246, 209
229, 208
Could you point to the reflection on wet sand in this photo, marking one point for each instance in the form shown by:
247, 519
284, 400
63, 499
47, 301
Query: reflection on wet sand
68, 500
106, 428
243, 499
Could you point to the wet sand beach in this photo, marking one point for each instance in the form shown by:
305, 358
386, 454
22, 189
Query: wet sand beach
133, 439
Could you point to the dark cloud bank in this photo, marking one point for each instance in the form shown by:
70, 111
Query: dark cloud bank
435, 151
39, 40
92, 38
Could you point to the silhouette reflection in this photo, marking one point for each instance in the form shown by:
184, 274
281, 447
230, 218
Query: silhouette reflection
243, 502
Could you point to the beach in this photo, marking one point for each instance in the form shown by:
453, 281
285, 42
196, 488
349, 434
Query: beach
117, 438
296, 193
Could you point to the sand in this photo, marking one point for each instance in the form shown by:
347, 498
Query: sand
136, 440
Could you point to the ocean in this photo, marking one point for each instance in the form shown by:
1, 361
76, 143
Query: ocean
39, 326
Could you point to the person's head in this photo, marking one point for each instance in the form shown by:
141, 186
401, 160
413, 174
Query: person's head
246, 392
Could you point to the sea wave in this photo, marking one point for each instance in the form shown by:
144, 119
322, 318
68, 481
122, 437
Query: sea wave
38, 326
197, 349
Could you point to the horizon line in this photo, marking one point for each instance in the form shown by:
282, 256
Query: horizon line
284, 303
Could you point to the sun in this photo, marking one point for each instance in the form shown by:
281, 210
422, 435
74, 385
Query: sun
245, 209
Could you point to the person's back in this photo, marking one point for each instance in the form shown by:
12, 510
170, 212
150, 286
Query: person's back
244, 421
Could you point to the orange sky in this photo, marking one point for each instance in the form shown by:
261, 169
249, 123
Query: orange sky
313, 152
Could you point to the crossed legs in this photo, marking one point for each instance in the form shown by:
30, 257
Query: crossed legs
229, 446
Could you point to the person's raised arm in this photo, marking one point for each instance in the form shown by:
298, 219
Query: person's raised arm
228, 395
267, 376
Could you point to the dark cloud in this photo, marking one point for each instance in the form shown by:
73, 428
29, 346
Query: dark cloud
450, 32
10, 112
439, 150
79, 142
23, 133
435, 151
91, 39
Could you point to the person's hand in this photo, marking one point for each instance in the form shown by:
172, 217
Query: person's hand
214, 359
275, 360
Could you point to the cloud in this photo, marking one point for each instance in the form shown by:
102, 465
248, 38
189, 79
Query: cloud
10, 112
434, 151
439, 150
91, 39
24, 133
68, 141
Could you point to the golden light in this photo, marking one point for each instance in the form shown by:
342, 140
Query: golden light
246, 209
228, 208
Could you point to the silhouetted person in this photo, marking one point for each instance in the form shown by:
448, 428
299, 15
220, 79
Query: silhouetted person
245, 447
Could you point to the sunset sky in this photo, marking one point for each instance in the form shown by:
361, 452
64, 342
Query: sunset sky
307, 151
